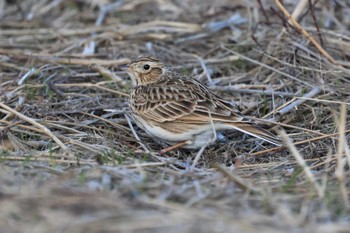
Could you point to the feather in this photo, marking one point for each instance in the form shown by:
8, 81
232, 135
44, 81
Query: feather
257, 132
181, 108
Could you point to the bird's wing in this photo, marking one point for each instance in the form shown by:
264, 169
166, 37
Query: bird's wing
187, 101
181, 100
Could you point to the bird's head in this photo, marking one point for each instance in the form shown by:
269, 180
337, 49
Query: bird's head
145, 70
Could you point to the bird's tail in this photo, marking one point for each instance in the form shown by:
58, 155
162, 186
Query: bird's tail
256, 131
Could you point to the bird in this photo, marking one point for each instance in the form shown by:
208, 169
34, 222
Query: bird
180, 110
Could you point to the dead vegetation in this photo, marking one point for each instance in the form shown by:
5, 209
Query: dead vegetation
70, 163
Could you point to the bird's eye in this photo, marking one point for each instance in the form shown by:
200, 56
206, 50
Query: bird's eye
146, 66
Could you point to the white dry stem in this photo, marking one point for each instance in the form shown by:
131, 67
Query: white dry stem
287, 107
314, 91
198, 155
207, 73
201, 150
301, 161
324, 101
30, 72
339, 172
135, 134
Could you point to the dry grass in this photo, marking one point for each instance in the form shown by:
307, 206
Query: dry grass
70, 162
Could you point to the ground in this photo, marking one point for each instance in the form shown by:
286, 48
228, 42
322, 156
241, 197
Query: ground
69, 161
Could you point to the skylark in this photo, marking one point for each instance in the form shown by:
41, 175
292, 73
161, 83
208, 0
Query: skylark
180, 110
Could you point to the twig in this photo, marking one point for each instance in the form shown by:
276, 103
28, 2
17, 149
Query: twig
33, 122
26, 75
308, 36
266, 66
285, 125
299, 9
207, 73
45, 159
325, 101
339, 172
242, 184
263, 11
81, 85
197, 157
293, 65
295, 15
314, 91
328, 160
250, 91
50, 169
148, 164
200, 152
66, 60
274, 164
104, 9
213, 27
135, 134
173, 147
302, 163
88, 146
102, 118
107, 73
312, 11
296, 143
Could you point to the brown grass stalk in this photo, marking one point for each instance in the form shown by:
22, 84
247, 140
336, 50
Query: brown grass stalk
305, 33
33, 122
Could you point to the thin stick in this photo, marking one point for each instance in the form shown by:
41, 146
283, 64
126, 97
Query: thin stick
149, 164
308, 36
302, 163
81, 85
328, 160
204, 67
200, 152
266, 66
289, 107
278, 108
325, 101
109, 74
135, 134
109, 90
33, 122
339, 172
347, 153
105, 120
242, 184
273, 164
25, 76
173, 147
285, 125
299, 9
252, 91
45, 159
198, 155
297, 143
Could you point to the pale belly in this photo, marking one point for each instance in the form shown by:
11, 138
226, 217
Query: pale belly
195, 137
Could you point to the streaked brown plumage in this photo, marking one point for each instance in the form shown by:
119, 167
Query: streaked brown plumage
174, 109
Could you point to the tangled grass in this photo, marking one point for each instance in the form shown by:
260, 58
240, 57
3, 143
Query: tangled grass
69, 160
